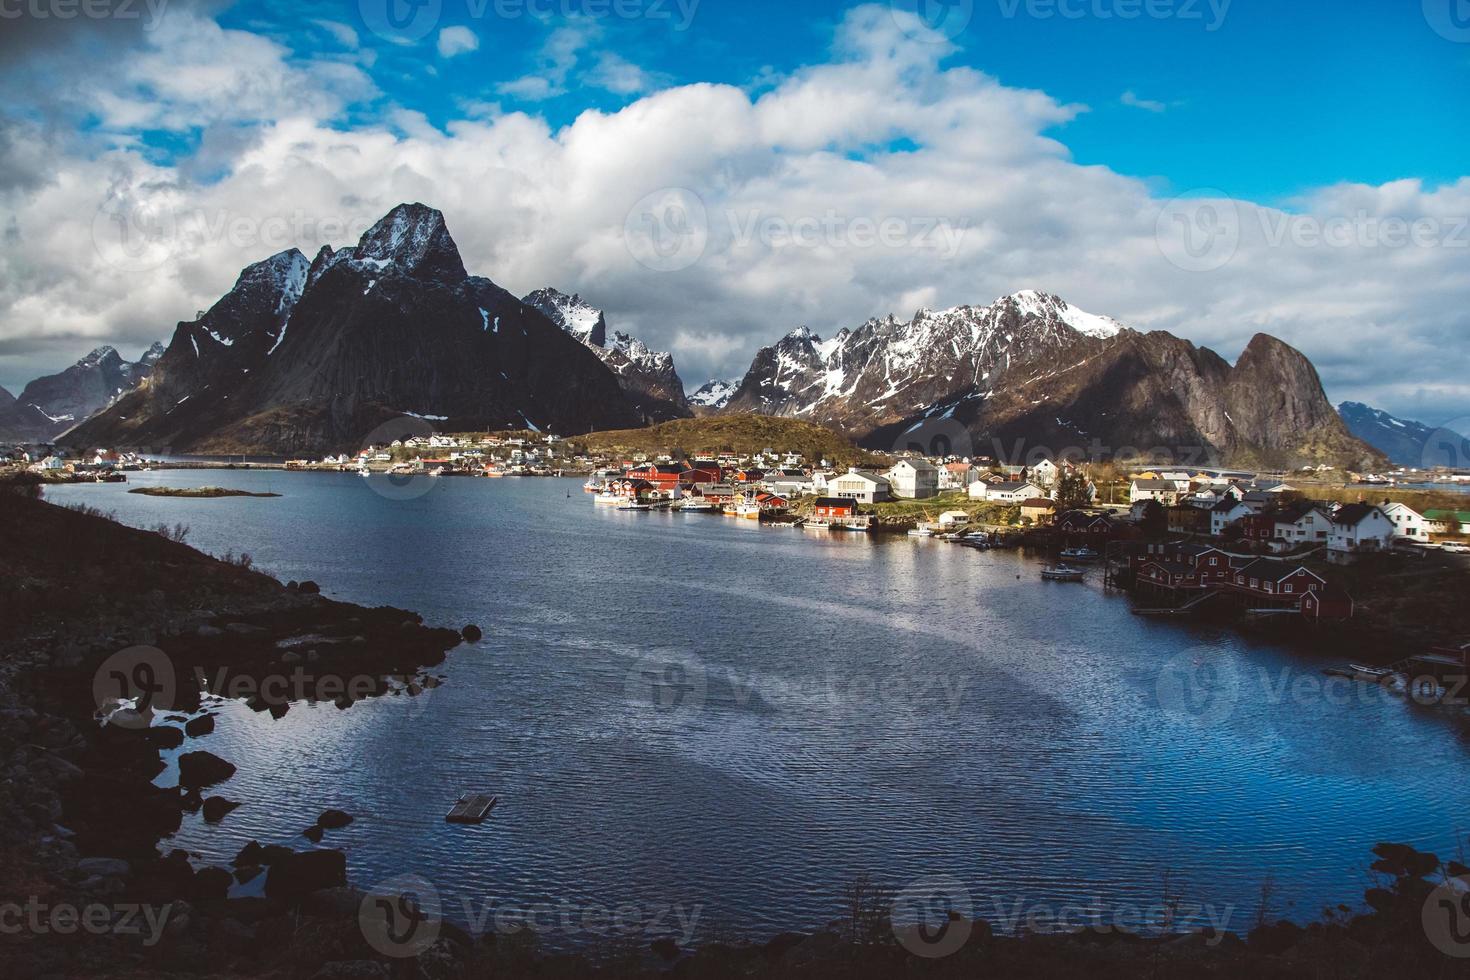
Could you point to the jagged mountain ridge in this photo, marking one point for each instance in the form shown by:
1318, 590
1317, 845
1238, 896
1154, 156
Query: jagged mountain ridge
647, 376
1030, 371
50, 405
307, 357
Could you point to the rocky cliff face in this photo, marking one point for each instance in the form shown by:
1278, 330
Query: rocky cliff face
311, 357
50, 405
646, 376
1032, 373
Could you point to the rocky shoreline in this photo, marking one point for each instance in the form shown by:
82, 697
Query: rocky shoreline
81, 820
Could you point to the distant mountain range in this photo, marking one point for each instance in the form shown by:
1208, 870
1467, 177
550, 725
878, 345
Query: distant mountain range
305, 356
1031, 372
51, 405
1404, 441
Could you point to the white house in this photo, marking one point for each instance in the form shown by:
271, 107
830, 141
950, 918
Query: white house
913, 478
1165, 492
1357, 528
1408, 523
788, 483
1043, 474
1226, 513
860, 485
1305, 522
1010, 492
958, 476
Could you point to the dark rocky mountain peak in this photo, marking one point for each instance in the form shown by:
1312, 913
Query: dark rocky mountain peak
413, 240
301, 357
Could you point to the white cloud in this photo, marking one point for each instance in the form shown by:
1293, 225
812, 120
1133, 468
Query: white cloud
885, 132
1130, 98
457, 40
342, 33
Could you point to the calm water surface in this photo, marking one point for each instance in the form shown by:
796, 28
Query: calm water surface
841, 705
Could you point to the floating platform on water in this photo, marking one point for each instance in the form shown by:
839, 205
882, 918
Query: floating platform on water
471, 809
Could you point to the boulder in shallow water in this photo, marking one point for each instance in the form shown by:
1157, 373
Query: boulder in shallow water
202, 725
200, 769
471, 633
216, 808
306, 872
333, 819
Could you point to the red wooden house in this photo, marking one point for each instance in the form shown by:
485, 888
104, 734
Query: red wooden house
834, 507
663, 476
701, 471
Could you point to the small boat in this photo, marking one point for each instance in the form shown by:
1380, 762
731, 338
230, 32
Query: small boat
471, 809
364, 472
921, 532
749, 510
607, 497
857, 524
1366, 673
701, 505
818, 524
1062, 573
1080, 554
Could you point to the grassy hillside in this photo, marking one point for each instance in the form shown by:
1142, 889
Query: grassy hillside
732, 433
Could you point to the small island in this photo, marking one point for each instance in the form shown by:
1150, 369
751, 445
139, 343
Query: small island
198, 492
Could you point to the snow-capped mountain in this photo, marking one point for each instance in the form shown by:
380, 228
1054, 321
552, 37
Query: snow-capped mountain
647, 376
887, 368
306, 357
50, 405
1403, 441
713, 394
572, 314
1030, 371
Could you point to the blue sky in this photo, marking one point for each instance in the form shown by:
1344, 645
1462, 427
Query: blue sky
1061, 145
1258, 98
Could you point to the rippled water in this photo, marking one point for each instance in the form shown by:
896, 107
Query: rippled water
837, 705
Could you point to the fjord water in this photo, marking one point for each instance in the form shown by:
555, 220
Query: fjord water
835, 705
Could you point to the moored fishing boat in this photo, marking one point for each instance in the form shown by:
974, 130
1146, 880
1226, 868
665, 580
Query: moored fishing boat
1080, 554
1062, 573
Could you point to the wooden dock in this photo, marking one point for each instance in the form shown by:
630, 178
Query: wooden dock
471, 809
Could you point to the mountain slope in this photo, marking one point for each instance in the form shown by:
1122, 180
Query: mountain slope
312, 357
1404, 441
646, 376
1032, 373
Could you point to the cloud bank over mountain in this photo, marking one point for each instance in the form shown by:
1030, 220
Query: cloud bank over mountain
705, 218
